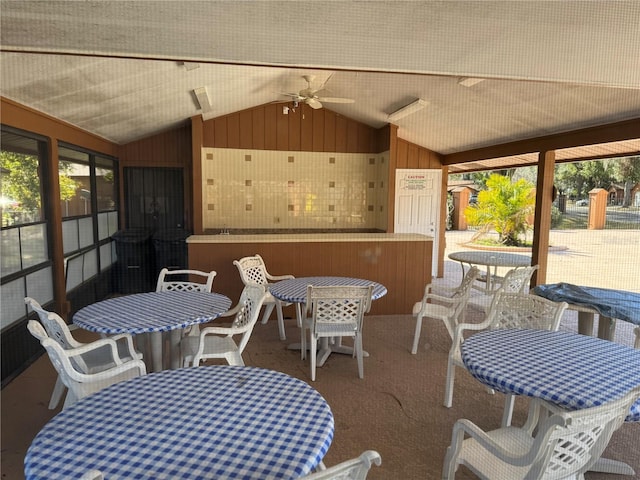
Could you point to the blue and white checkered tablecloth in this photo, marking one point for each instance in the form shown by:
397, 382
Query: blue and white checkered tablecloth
571, 370
151, 312
209, 422
295, 290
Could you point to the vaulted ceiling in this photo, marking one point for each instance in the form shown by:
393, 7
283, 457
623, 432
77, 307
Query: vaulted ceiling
125, 70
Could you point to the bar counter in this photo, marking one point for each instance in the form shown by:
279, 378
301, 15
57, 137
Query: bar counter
399, 261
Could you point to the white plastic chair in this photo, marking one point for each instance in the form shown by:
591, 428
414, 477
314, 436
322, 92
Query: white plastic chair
562, 446
82, 384
353, 469
508, 310
92, 475
93, 361
516, 280
253, 271
335, 311
448, 309
217, 342
174, 281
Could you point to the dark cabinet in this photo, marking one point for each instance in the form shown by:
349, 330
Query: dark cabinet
154, 198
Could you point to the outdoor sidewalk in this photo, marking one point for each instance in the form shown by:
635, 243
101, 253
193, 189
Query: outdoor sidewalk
594, 258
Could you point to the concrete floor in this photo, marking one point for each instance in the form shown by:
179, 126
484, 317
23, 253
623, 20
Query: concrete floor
397, 408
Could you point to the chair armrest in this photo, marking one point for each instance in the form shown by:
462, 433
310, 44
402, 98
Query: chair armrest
221, 331
231, 312
464, 426
98, 344
126, 340
118, 370
279, 277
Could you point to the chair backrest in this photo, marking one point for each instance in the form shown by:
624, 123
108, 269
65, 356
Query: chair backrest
173, 281
464, 289
517, 280
252, 270
353, 469
81, 384
54, 325
251, 301
570, 442
522, 310
338, 308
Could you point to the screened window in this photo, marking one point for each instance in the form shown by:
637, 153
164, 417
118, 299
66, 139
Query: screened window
88, 194
25, 265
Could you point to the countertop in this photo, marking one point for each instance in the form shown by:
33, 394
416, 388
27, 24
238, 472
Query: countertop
310, 238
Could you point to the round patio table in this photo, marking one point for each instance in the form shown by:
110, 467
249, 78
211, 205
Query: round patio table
204, 422
490, 259
153, 313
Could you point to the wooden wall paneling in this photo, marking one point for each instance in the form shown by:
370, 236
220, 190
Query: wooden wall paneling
294, 129
340, 134
220, 129
258, 129
270, 127
197, 142
245, 131
365, 139
282, 131
208, 132
382, 138
402, 154
393, 154
331, 132
306, 128
233, 130
169, 144
317, 264
318, 130
352, 136
413, 156
424, 158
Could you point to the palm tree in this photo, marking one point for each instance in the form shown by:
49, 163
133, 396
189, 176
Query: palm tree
505, 207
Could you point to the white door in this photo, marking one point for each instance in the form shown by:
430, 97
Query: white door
417, 205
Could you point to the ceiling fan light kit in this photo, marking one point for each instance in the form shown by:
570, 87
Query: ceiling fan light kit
407, 110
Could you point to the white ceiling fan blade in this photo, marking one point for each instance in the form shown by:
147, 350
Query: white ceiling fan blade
295, 96
336, 100
313, 103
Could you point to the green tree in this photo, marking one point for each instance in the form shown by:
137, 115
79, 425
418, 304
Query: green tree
627, 171
505, 207
20, 180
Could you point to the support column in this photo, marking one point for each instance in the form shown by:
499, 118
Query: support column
542, 220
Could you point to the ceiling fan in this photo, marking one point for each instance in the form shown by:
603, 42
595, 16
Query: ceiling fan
310, 95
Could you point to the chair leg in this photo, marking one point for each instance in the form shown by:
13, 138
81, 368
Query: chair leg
56, 395
234, 358
416, 336
303, 343
508, 410
283, 336
312, 353
448, 392
358, 351
267, 312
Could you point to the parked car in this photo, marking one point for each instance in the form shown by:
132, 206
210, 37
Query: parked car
582, 203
